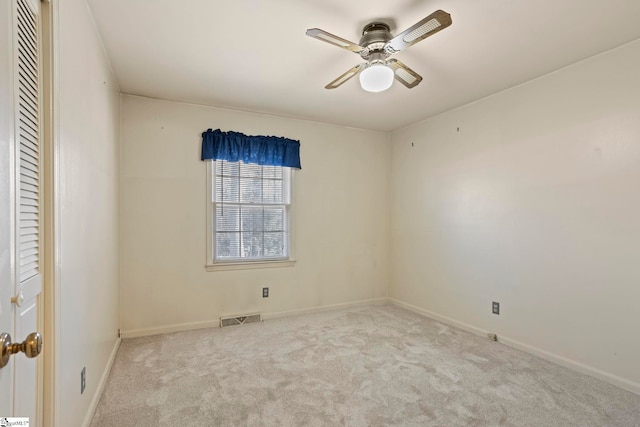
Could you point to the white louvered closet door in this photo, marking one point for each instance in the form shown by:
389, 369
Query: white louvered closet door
28, 149
28, 136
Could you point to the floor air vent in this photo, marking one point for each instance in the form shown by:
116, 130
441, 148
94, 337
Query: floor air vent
239, 320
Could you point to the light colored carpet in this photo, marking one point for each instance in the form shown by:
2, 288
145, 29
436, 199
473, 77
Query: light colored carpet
366, 366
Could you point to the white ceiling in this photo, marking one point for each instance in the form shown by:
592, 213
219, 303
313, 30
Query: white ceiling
253, 55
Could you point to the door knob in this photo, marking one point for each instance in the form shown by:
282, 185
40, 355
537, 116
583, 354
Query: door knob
31, 347
18, 299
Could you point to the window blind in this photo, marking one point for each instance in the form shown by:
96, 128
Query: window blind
251, 211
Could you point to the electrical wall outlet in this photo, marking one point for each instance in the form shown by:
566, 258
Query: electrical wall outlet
495, 308
265, 292
83, 379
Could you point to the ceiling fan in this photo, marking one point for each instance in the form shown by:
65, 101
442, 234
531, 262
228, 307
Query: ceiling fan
377, 45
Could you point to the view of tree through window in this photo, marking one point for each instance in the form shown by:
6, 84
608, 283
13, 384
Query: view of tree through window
251, 211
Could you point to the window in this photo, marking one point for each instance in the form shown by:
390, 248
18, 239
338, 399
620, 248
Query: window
249, 214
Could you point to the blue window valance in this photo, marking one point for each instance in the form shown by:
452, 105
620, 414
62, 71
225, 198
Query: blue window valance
263, 150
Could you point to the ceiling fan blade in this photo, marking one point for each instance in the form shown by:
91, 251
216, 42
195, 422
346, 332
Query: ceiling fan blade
319, 34
404, 74
346, 76
438, 20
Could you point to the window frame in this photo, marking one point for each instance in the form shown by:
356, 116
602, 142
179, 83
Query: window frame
240, 264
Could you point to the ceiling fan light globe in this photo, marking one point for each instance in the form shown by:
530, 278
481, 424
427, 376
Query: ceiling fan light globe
376, 78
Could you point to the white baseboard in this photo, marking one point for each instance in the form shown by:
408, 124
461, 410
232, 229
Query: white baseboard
168, 329
440, 318
572, 364
320, 309
180, 327
103, 381
623, 383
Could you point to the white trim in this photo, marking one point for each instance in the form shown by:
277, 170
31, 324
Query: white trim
438, 317
103, 381
168, 329
209, 226
247, 265
181, 327
52, 411
615, 380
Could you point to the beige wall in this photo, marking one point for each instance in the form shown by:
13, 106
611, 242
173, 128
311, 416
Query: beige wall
341, 219
531, 198
88, 114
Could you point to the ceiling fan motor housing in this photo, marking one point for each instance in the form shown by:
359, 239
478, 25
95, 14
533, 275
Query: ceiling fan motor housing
374, 36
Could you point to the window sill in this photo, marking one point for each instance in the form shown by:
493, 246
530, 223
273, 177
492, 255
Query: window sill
249, 265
